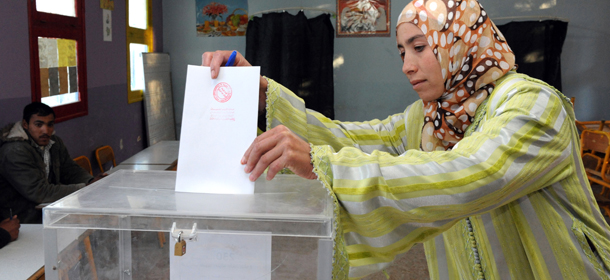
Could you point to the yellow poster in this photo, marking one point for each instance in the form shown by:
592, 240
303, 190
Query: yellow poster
107, 4
66, 50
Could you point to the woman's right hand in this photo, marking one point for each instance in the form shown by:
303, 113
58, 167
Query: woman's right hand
219, 58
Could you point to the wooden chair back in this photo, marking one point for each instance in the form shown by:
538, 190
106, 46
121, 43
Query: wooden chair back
596, 144
103, 155
84, 162
590, 125
595, 152
593, 125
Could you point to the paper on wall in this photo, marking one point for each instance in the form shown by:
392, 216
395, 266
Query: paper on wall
218, 125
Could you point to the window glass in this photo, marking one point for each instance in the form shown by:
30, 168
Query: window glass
137, 14
58, 71
59, 7
137, 67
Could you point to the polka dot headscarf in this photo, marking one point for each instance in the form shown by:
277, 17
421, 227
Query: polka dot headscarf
473, 54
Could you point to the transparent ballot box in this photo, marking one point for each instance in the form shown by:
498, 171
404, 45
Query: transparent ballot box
133, 225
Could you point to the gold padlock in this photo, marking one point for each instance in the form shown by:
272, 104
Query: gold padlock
180, 247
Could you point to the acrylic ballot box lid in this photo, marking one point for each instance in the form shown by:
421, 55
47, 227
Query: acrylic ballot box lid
146, 201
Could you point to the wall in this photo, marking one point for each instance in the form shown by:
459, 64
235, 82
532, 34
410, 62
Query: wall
111, 121
184, 47
585, 58
369, 83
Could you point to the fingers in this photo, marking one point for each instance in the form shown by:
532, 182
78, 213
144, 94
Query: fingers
260, 146
277, 149
293, 155
214, 60
206, 58
271, 159
266, 135
219, 58
263, 151
244, 159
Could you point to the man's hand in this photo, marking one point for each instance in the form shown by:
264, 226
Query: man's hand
12, 226
219, 58
278, 148
98, 177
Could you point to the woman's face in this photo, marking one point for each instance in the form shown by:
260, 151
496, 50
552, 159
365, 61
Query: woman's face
419, 62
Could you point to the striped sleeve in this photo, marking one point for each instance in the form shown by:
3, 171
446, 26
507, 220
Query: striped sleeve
390, 202
284, 107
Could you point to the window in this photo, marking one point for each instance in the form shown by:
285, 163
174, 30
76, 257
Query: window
139, 40
57, 56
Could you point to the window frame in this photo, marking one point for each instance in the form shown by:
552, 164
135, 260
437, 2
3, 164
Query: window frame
137, 36
43, 24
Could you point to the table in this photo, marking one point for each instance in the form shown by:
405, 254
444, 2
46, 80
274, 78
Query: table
139, 167
162, 153
24, 257
160, 156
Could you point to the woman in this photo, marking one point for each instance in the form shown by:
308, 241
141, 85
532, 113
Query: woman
484, 170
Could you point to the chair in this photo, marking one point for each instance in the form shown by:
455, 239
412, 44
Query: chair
72, 255
590, 125
103, 155
84, 162
595, 152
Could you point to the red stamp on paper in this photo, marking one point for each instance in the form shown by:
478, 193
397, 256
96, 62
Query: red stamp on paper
222, 92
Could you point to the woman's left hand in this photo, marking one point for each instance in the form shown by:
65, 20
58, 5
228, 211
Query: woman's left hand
277, 149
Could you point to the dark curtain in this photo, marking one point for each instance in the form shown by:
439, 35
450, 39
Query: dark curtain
296, 52
537, 46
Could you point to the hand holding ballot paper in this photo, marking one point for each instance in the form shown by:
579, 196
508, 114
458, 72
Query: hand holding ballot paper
277, 148
219, 131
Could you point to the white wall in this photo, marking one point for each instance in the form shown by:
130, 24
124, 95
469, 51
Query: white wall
369, 84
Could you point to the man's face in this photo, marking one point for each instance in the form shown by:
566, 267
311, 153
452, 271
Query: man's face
40, 128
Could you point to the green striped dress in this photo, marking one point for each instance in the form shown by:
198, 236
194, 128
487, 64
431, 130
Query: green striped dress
509, 201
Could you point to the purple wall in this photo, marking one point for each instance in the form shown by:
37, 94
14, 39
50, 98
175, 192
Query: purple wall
111, 121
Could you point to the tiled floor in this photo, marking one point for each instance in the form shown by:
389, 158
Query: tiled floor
409, 266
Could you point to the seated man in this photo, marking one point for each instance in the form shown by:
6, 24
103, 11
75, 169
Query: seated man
35, 166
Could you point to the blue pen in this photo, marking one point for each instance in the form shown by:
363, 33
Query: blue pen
231, 59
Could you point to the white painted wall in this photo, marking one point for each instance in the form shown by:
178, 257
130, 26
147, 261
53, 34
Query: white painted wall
369, 83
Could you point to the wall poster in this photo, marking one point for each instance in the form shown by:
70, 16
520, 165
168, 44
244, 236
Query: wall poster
225, 18
107, 4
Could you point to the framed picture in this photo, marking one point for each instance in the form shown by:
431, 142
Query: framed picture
363, 18
219, 18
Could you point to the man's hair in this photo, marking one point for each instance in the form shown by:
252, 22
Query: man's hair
37, 108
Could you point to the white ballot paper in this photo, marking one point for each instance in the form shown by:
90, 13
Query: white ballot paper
218, 125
